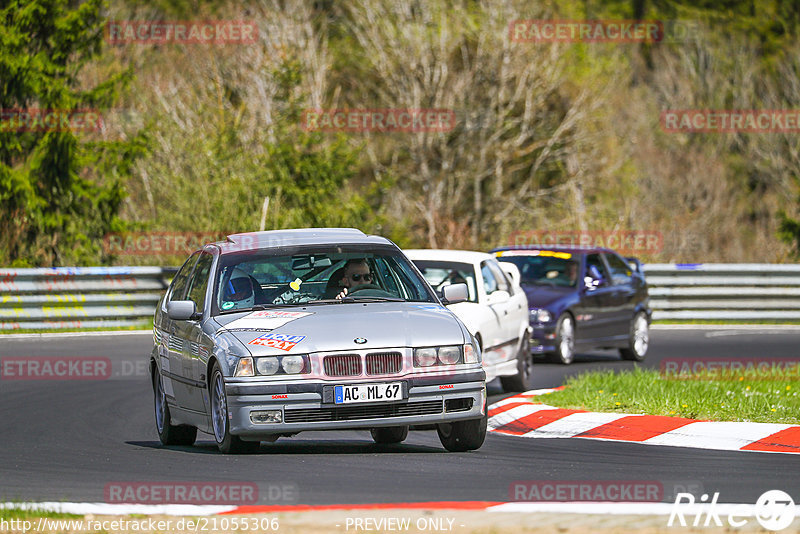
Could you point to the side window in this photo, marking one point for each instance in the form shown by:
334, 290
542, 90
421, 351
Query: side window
620, 271
499, 276
489, 281
199, 283
178, 285
594, 260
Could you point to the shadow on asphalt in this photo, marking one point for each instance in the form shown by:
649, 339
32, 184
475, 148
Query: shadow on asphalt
301, 447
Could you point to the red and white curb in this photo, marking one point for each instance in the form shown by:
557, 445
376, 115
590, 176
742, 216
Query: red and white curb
522, 416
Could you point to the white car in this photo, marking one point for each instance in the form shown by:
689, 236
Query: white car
496, 312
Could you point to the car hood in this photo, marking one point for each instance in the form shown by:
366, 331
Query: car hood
544, 296
335, 327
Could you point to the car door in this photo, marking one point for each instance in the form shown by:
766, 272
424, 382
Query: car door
498, 300
172, 350
195, 344
594, 321
623, 299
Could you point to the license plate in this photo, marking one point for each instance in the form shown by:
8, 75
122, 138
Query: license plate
368, 393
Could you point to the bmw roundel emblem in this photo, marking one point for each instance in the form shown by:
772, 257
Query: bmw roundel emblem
360, 340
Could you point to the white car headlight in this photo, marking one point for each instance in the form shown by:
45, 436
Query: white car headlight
424, 357
267, 366
293, 365
540, 316
449, 355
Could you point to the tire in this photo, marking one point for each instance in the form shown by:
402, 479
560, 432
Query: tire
168, 433
226, 442
523, 380
565, 340
463, 436
389, 435
638, 339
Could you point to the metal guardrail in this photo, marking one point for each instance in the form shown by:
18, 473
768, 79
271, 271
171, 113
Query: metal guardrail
79, 297
724, 291
105, 297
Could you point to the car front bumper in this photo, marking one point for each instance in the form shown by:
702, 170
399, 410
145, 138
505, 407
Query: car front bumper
430, 400
543, 338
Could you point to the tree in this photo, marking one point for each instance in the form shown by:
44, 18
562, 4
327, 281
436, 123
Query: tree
54, 205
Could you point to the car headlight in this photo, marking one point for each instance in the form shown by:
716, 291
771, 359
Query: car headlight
424, 357
244, 367
293, 365
267, 366
450, 355
540, 316
290, 365
447, 355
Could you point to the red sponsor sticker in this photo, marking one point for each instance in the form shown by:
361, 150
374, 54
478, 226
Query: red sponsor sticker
55, 368
284, 342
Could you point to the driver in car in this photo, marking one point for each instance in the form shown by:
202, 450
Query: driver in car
356, 274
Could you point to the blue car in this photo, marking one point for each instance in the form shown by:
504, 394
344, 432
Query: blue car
581, 299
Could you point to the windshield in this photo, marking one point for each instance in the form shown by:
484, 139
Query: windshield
444, 273
316, 275
546, 268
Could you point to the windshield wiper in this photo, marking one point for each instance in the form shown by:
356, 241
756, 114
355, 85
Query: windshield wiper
377, 299
257, 307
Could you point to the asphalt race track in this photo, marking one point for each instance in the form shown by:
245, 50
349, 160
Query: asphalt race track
66, 440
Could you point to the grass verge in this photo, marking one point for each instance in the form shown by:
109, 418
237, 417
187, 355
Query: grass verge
765, 399
20, 513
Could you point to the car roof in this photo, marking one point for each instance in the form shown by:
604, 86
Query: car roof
297, 237
456, 256
569, 250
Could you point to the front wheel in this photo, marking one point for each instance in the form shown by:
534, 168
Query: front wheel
168, 433
389, 435
638, 339
523, 380
463, 436
226, 442
565, 340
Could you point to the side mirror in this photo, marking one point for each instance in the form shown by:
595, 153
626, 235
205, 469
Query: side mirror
455, 293
181, 310
498, 297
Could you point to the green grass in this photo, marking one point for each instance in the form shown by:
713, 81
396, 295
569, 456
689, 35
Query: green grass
773, 399
19, 513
